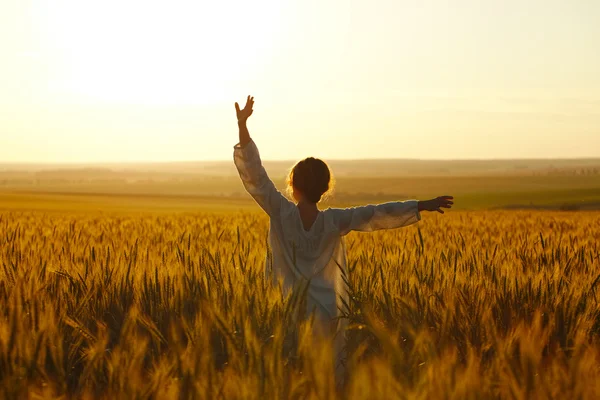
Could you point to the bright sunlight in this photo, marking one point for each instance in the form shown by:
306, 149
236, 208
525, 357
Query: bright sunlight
156, 80
159, 52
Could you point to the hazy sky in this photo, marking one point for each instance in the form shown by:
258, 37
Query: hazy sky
126, 80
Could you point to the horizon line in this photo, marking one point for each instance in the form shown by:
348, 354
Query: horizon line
133, 162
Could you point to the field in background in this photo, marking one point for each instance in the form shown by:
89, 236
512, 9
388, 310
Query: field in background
551, 184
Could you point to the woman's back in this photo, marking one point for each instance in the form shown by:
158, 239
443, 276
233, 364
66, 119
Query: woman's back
317, 254
306, 244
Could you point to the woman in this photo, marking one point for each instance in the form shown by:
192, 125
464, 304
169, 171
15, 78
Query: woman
306, 243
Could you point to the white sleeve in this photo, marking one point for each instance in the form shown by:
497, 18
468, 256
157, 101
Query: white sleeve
375, 217
256, 181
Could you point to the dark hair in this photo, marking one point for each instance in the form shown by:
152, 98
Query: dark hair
312, 177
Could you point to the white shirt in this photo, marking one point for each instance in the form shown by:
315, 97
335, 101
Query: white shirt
318, 254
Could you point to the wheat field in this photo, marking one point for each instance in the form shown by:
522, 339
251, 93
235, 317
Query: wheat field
483, 304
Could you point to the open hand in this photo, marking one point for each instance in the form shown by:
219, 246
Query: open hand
242, 115
436, 204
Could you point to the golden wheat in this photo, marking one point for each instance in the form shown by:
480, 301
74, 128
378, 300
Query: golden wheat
469, 305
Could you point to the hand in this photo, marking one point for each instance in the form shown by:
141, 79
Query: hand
242, 115
436, 204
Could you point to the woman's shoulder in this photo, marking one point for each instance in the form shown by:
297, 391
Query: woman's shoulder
334, 213
331, 216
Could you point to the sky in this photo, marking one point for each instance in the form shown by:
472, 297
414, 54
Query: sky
126, 80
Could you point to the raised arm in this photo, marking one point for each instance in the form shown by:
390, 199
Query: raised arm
248, 163
242, 117
387, 215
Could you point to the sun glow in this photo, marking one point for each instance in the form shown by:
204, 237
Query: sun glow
144, 52
90, 80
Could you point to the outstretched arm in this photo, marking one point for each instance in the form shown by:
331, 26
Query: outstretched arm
436, 204
249, 165
387, 215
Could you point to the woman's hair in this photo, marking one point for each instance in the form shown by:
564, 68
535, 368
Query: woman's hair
312, 177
